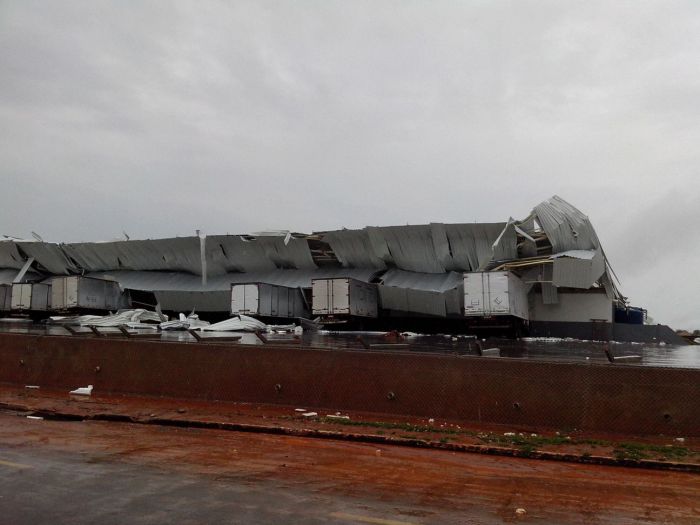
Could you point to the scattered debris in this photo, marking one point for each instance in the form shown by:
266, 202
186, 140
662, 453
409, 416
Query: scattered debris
337, 416
35, 417
509, 434
299, 410
34, 387
680, 440
520, 512
310, 414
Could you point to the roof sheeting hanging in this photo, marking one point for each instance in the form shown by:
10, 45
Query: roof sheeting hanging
421, 293
9, 255
407, 247
49, 256
236, 253
174, 254
430, 248
353, 249
577, 268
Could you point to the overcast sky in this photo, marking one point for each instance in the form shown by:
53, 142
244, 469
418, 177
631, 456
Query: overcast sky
160, 118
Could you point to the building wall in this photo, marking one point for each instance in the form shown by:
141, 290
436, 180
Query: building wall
572, 307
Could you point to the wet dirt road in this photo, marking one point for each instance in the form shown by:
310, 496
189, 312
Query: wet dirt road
105, 472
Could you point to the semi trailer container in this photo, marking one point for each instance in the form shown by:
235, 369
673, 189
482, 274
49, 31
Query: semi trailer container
489, 294
267, 300
35, 297
344, 297
77, 292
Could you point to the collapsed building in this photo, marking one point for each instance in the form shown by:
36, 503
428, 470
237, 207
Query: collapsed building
545, 275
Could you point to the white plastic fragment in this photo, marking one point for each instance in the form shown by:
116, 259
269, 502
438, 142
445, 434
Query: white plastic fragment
35, 417
34, 387
520, 512
82, 391
680, 440
299, 410
310, 414
509, 434
337, 416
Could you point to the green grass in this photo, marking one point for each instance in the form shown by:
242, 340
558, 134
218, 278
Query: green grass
526, 443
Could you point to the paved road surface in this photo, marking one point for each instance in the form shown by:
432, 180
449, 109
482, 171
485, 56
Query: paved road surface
57, 472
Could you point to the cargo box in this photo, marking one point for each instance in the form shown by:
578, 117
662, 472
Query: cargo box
85, 293
344, 297
495, 293
267, 300
34, 297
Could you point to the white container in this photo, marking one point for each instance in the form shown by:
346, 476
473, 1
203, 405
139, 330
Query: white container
344, 296
34, 297
494, 293
267, 300
5, 297
85, 293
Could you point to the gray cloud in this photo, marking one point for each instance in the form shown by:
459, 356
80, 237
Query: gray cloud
161, 118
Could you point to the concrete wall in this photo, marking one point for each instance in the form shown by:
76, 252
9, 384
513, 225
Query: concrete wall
519, 393
572, 307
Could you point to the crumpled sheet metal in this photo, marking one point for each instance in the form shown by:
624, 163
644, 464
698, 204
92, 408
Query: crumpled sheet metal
9, 255
352, 248
235, 253
577, 268
566, 227
431, 282
175, 254
422, 293
428, 248
49, 256
408, 300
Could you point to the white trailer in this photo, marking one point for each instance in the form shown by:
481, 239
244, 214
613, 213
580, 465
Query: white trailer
77, 292
35, 297
267, 300
344, 297
495, 294
5, 297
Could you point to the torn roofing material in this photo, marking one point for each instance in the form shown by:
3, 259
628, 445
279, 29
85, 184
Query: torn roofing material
427, 248
553, 228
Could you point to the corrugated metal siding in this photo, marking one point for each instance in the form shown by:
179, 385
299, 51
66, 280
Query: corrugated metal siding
9, 255
49, 255
429, 248
421, 293
578, 269
176, 254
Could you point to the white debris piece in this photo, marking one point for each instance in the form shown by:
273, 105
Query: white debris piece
520, 512
240, 323
33, 387
509, 434
299, 410
35, 417
310, 414
337, 416
680, 440
192, 321
298, 330
82, 391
